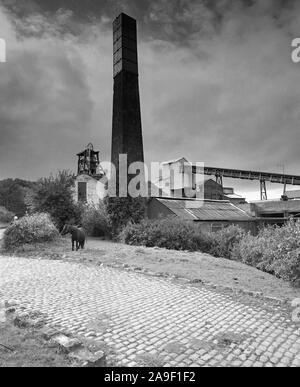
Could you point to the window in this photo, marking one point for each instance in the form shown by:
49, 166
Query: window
216, 227
82, 192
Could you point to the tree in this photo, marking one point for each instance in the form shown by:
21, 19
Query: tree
54, 196
121, 211
12, 195
95, 220
5, 215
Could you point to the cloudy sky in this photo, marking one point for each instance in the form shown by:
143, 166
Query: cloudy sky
217, 83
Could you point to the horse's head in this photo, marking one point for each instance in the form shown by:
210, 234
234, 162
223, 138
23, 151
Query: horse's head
65, 230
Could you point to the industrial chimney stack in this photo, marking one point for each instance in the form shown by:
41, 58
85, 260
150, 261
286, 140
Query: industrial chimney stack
126, 126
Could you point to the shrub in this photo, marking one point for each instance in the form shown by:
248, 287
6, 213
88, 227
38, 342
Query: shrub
275, 250
170, 233
5, 215
288, 268
222, 242
95, 221
30, 229
249, 250
121, 211
54, 195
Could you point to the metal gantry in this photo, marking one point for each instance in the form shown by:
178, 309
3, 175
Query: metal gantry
262, 177
263, 190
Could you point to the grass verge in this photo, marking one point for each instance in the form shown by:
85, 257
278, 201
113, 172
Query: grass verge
26, 348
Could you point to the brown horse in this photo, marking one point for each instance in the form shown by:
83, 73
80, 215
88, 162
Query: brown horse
78, 236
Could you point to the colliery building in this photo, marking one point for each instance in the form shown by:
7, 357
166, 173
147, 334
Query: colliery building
177, 194
211, 215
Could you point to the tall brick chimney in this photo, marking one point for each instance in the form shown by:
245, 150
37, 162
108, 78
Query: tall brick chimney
126, 126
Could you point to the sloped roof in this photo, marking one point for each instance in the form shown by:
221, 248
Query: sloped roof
152, 187
175, 161
233, 196
209, 178
246, 207
212, 210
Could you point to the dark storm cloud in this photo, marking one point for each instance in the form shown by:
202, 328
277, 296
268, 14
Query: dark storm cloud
44, 101
174, 20
217, 81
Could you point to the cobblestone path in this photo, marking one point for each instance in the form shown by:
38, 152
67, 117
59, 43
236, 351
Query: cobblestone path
151, 321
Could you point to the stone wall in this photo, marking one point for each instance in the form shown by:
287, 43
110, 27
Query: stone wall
95, 189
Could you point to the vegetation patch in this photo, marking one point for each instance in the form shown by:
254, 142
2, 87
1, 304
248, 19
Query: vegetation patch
124, 211
175, 234
224, 241
5, 215
275, 250
30, 229
149, 360
202, 344
95, 221
227, 339
54, 195
175, 347
170, 233
21, 347
13, 193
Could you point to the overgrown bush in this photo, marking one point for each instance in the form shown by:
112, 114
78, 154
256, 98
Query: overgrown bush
54, 195
170, 233
5, 215
222, 242
30, 229
121, 211
94, 220
275, 250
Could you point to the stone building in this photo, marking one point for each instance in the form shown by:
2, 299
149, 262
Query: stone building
173, 182
88, 186
230, 195
210, 215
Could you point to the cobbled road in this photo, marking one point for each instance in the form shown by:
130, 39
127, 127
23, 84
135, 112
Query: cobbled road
151, 321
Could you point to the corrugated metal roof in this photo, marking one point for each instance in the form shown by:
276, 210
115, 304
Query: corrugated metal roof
233, 196
246, 207
175, 161
204, 209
